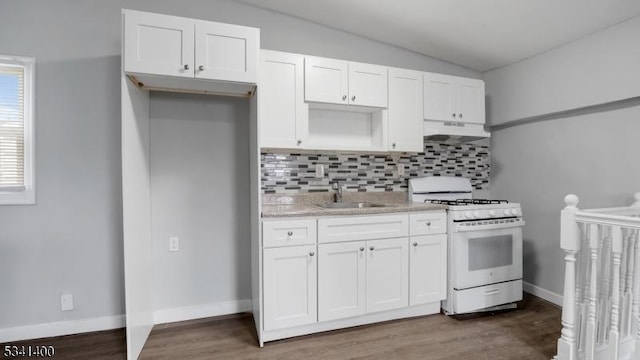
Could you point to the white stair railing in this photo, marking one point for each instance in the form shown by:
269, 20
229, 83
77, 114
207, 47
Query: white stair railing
601, 304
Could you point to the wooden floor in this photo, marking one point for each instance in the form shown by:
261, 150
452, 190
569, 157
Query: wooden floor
530, 332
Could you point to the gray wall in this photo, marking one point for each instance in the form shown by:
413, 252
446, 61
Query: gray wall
591, 152
199, 181
597, 69
71, 240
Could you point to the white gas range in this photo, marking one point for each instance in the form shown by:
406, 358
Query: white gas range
484, 248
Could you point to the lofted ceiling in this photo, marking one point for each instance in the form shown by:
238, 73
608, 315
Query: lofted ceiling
477, 34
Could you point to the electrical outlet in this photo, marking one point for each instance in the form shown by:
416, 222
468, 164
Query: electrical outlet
319, 170
401, 169
66, 302
174, 243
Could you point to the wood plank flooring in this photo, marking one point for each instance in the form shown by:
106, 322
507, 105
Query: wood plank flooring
530, 332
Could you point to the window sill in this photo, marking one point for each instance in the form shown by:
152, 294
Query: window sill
25, 197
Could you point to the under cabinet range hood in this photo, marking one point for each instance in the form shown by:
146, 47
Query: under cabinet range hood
453, 132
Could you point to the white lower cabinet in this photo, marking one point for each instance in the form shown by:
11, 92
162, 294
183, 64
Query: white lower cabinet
341, 280
428, 269
366, 269
359, 277
290, 286
387, 274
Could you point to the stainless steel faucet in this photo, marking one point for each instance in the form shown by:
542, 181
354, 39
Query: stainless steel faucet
338, 188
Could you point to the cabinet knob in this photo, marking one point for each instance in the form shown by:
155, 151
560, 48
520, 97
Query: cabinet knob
428, 223
344, 97
201, 67
311, 253
362, 248
453, 115
371, 248
299, 141
415, 244
353, 98
290, 233
460, 115
186, 66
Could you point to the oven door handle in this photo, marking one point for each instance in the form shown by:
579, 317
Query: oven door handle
459, 227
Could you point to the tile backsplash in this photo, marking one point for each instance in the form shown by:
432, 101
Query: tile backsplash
286, 173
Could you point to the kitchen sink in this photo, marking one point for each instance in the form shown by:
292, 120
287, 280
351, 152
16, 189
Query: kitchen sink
350, 205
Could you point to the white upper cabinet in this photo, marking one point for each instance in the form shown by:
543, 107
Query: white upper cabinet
284, 116
367, 85
471, 106
405, 110
452, 98
326, 80
164, 51
226, 52
346, 83
158, 44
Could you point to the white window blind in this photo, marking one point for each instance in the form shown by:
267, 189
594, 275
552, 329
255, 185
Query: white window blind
12, 127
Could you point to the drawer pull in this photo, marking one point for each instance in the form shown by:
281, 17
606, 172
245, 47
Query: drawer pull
428, 223
492, 292
289, 233
311, 253
372, 248
415, 244
362, 248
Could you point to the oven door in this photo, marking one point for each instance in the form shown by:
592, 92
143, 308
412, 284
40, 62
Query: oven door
488, 256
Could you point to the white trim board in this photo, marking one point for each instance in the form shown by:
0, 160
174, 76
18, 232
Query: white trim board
542, 293
201, 311
60, 328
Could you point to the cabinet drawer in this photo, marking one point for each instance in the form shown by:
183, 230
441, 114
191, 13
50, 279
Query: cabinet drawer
362, 228
428, 223
288, 232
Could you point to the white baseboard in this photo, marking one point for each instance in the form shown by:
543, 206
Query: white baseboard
61, 328
542, 293
201, 311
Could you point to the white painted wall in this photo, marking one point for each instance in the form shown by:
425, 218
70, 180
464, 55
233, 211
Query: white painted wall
597, 69
589, 152
71, 240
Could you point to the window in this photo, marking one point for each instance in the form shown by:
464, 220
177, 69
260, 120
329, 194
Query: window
17, 185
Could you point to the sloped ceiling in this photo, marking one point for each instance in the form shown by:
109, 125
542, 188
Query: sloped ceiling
478, 34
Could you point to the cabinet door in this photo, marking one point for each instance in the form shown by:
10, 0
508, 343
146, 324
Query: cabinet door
428, 269
283, 114
405, 110
158, 44
387, 274
471, 101
439, 97
341, 280
226, 52
290, 286
367, 85
325, 80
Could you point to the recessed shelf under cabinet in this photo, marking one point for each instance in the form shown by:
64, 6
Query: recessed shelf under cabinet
356, 129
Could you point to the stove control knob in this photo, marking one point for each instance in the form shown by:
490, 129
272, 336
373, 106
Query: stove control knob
476, 214
468, 215
492, 213
514, 212
507, 212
